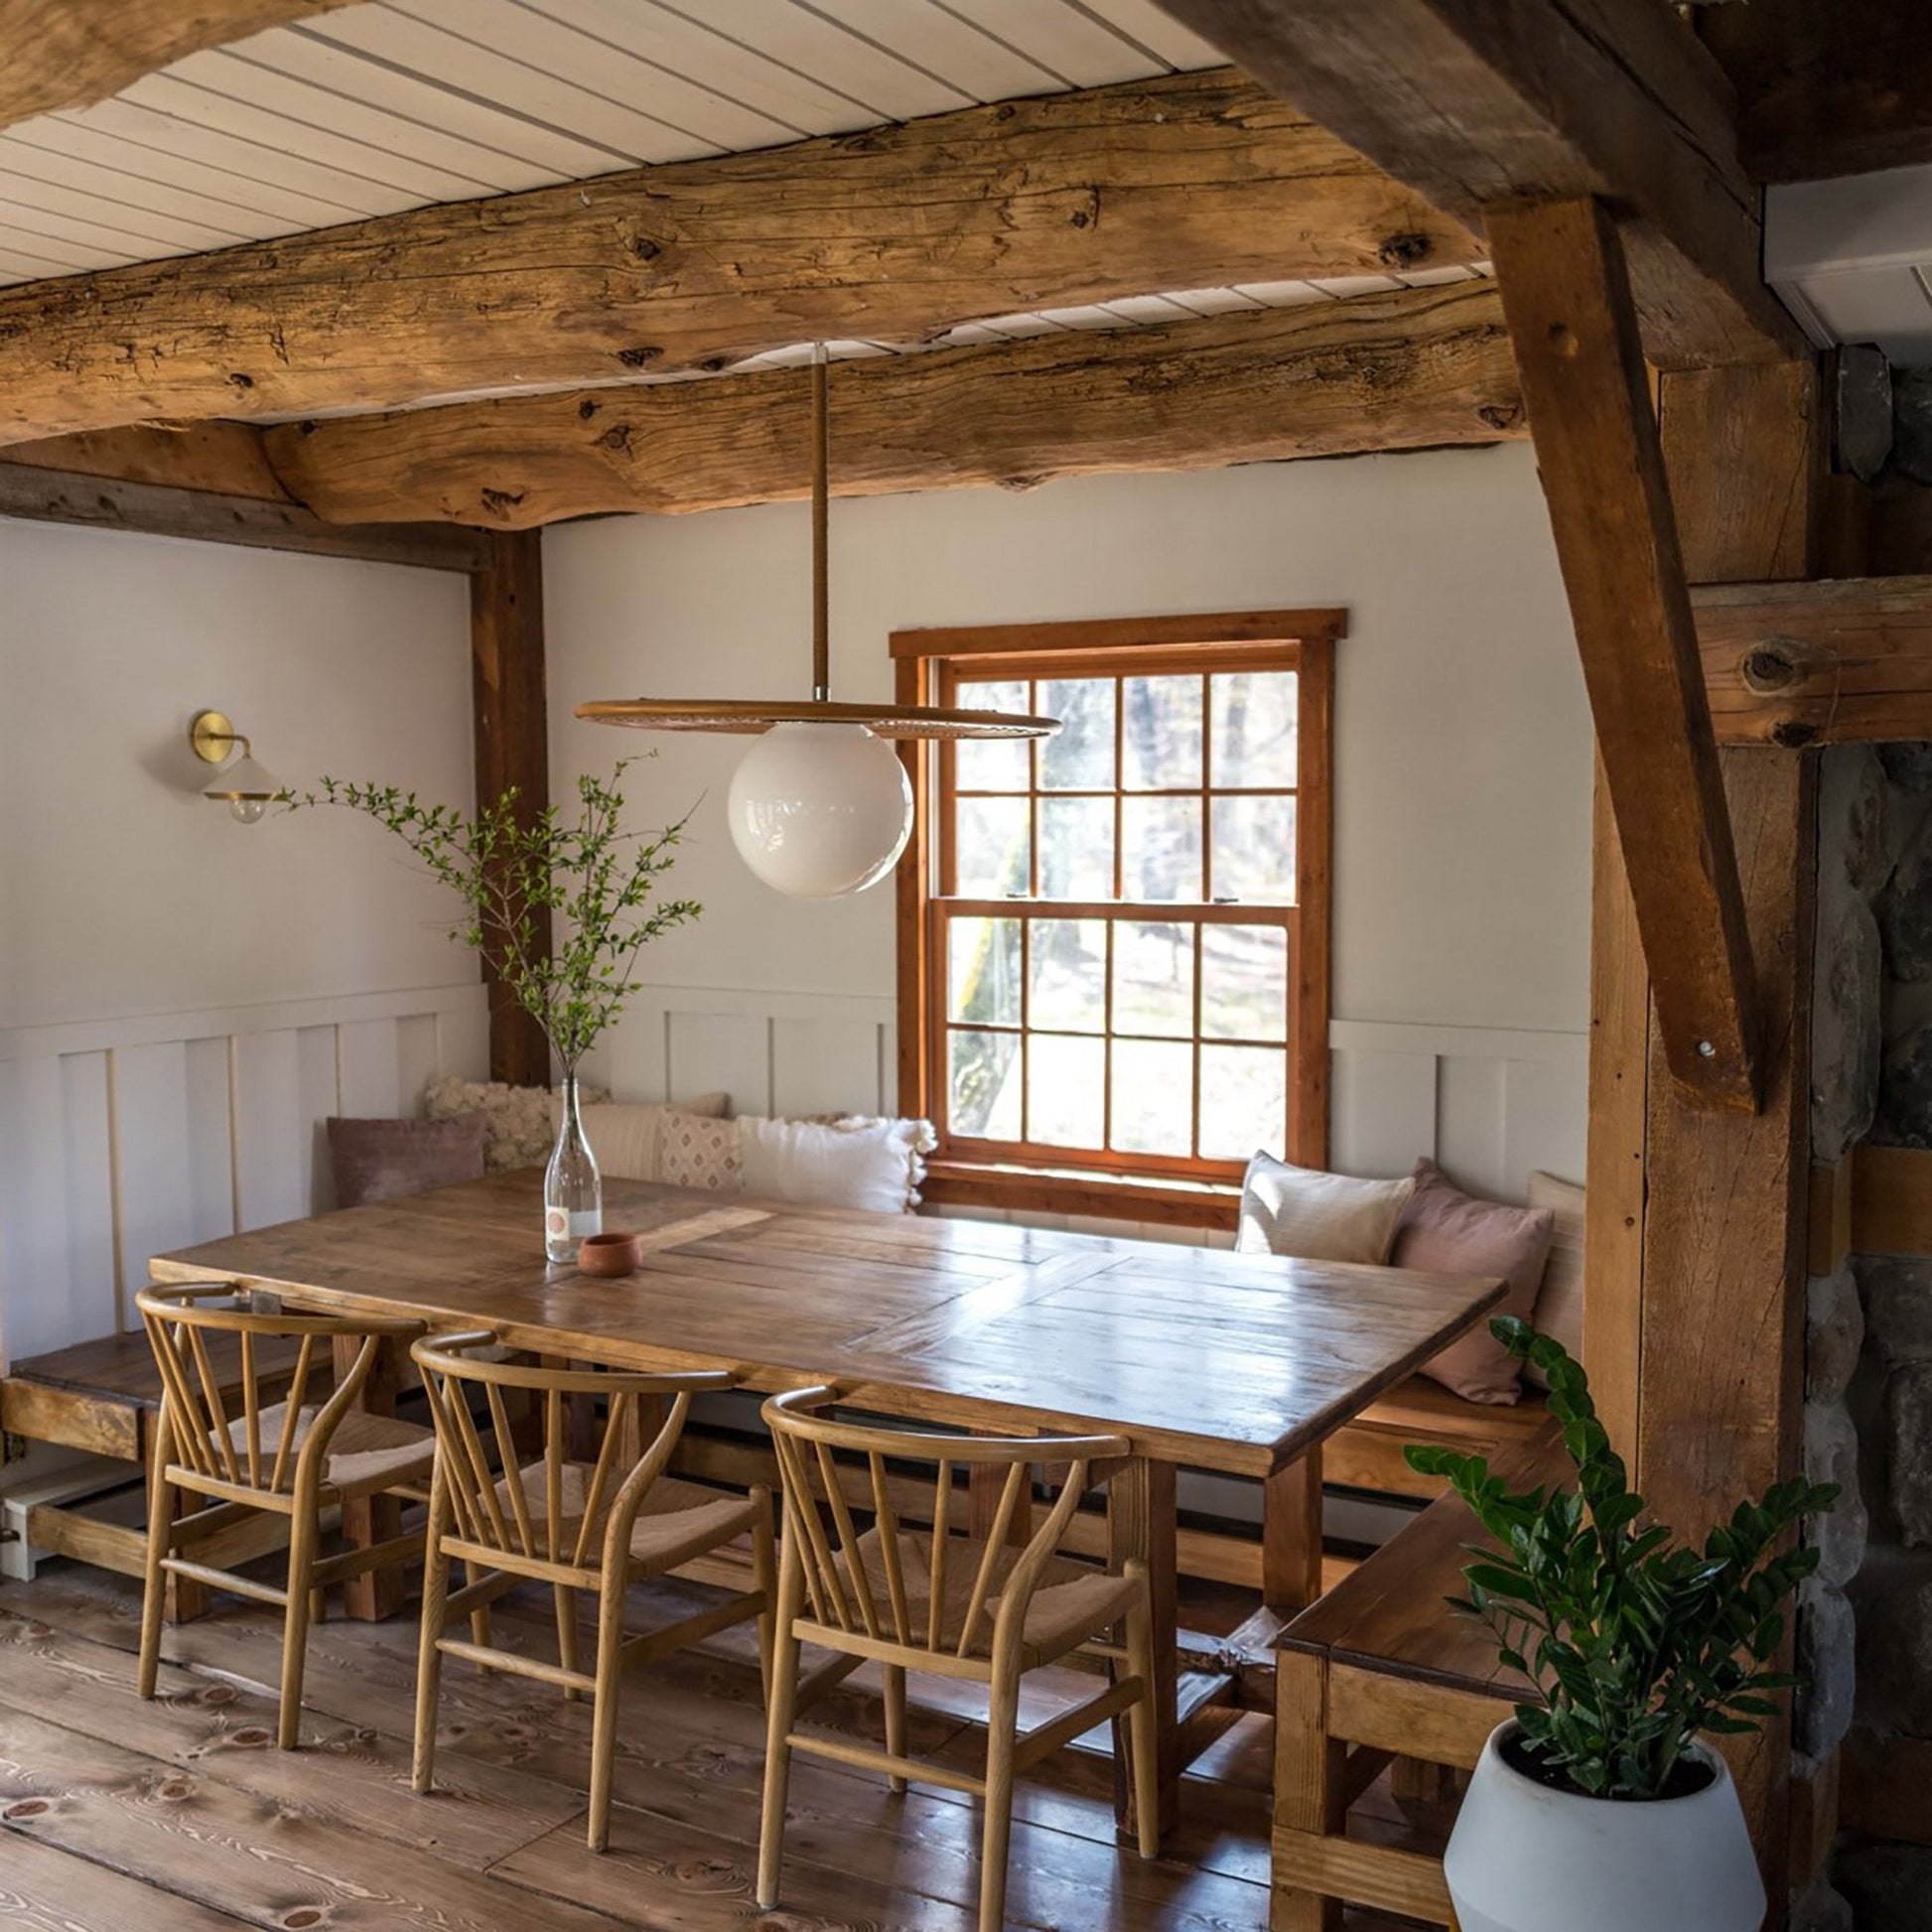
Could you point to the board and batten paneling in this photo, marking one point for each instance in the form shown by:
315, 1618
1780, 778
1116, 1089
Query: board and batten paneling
120, 1138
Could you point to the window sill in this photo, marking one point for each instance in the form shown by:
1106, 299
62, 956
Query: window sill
1060, 1190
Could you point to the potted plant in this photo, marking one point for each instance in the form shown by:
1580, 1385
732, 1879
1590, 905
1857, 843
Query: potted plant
1600, 1804
597, 882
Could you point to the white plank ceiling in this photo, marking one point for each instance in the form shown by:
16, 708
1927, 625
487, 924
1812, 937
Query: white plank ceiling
394, 104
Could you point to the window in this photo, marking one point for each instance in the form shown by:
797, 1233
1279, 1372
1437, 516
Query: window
1114, 942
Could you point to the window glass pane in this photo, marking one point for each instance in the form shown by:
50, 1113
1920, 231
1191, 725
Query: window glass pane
1159, 841
1065, 1090
1254, 850
1255, 725
1082, 756
1244, 983
1069, 965
1243, 1101
1154, 1096
1160, 733
984, 970
1154, 980
1077, 848
992, 764
993, 852
984, 1090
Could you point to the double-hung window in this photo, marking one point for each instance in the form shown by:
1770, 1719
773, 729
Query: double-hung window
1113, 972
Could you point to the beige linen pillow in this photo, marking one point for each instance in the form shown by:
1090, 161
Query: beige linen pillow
1560, 1303
1300, 1211
521, 1122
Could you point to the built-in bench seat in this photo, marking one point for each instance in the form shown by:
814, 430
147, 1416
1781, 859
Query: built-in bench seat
104, 1397
1379, 1673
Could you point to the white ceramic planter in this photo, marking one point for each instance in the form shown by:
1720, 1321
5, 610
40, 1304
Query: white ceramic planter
1525, 1858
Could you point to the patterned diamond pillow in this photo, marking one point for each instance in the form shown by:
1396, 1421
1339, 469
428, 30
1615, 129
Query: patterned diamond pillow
697, 1150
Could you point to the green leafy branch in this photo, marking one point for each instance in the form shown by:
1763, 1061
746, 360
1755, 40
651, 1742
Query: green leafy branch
1635, 1642
599, 882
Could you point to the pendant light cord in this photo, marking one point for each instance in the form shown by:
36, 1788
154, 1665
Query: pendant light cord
821, 461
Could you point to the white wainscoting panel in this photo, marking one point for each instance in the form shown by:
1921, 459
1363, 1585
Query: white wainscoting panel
124, 1138
772, 1053
1491, 1105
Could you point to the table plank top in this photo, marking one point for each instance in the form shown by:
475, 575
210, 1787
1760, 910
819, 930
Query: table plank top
1218, 1360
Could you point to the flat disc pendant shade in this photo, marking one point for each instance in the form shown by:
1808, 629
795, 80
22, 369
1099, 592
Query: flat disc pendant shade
748, 717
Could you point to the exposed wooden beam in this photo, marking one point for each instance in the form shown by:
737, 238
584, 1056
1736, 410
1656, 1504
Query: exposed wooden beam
1842, 88
1477, 101
512, 751
1415, 368
217, 459
50, 495
894, 234
70, 53
1588, 396
1842, 662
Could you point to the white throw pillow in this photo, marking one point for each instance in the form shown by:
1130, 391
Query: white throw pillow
1559, 1301
1316, 1217
849, 1163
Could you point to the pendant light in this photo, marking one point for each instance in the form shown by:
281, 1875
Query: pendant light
820, 807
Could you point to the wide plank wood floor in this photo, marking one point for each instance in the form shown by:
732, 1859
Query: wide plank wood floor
128, 1817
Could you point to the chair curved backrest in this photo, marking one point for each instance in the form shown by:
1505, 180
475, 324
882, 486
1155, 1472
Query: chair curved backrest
278, 1448
556, 1513
890, 1583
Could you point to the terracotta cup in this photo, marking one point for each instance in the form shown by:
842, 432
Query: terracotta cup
610, 1255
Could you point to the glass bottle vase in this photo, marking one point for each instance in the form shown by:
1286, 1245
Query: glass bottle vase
573, 1190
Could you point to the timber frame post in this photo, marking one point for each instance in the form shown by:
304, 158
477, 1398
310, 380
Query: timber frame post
512, 750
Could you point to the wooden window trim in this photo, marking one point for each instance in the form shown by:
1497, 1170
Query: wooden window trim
1041, 1179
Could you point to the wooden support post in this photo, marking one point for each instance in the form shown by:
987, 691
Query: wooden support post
1568, 301
512, 750
1722, 1320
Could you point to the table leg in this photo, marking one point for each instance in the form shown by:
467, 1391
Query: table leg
1290, 1534
370, 1520
1141, 1525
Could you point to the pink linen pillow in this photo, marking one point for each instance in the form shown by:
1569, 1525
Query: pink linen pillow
390, 1160
1453, 1233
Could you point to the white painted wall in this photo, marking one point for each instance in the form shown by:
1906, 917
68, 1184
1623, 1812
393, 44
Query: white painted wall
1462, 763
182, 998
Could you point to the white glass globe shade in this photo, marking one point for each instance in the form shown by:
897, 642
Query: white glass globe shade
820, 811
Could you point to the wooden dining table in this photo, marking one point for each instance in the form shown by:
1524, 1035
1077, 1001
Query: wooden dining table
1202, 1358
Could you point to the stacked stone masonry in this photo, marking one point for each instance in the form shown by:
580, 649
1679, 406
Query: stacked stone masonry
1866, 1620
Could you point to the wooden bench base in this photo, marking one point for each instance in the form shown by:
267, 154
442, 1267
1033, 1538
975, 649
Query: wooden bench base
1382, 1674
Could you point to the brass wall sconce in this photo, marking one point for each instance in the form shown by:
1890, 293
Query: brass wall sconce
246, 787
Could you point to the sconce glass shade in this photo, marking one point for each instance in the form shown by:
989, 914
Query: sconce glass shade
820, 811
247, 788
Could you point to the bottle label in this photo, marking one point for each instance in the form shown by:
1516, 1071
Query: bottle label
560, 1224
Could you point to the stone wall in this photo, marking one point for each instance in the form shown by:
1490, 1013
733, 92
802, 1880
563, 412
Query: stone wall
1865, 1619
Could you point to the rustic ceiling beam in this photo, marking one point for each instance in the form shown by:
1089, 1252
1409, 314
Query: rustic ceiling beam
1567, 300
71, 52
53, 495
1477, 101
891, 234
1416, 369
1839, 88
